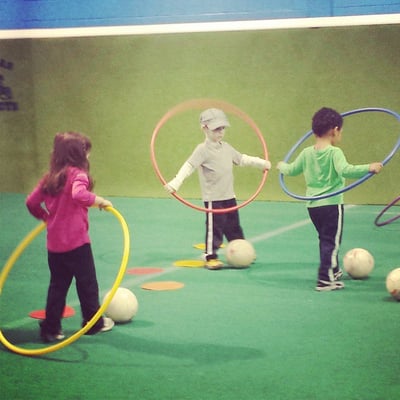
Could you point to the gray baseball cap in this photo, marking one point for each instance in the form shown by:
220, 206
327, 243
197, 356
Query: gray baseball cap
214, 118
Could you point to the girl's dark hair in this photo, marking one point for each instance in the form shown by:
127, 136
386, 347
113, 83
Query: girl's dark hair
70, 149
326, 119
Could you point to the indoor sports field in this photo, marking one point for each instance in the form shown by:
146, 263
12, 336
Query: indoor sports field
256, 333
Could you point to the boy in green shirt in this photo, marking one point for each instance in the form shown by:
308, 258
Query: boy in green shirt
325, 168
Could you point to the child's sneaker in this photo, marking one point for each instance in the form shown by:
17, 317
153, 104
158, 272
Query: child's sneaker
48, 337
214, 264
326, 286
337, 276
108, 324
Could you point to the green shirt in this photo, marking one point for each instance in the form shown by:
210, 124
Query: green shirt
324, 172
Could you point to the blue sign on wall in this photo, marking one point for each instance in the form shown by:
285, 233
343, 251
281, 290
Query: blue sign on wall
7, 102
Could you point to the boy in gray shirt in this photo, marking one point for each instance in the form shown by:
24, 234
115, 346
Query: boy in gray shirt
214, 159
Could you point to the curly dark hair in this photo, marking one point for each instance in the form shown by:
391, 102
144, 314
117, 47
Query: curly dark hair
326, 119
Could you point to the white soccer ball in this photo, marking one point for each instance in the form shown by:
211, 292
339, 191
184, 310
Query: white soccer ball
240, 253
393, 283
123, 306
358, 263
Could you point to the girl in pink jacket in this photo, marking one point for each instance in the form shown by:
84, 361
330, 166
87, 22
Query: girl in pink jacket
61, 199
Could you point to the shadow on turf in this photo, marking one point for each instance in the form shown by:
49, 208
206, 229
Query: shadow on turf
29, 339
132, 349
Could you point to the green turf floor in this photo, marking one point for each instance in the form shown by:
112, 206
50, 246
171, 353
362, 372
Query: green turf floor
258, 333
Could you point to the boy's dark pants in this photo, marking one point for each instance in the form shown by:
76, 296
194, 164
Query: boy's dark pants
328, 221
220, 224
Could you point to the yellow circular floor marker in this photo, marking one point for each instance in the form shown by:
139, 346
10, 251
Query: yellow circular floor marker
202, 246
189, 263
16, 254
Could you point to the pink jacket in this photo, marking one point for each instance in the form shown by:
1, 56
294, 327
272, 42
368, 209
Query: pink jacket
66, 214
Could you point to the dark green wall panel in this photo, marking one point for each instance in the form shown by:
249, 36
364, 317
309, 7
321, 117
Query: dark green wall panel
115, 89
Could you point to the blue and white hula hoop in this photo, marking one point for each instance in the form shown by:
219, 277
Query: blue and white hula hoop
353, 184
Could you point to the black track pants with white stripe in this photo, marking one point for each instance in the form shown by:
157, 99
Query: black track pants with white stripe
219, 225
328, 221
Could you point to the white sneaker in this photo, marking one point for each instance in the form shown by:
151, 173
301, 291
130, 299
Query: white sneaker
108, 324
326, 286
48, 338
337, 276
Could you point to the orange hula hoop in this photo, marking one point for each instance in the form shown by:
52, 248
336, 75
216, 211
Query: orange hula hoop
201, 104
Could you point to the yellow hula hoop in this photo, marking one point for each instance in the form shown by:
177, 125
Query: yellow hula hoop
18, 251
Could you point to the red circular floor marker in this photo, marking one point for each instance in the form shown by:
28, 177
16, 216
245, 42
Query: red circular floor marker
41, 314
